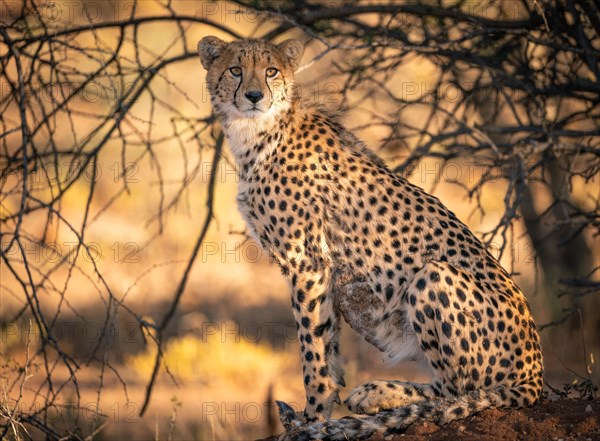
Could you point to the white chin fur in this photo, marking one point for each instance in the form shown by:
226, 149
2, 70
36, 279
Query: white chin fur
242, 128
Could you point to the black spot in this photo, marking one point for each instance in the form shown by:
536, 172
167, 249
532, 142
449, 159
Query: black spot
447, 350
322, 328
473, 337
447, 329
464, 344
444, 299
389, 292
458, 411
429, 311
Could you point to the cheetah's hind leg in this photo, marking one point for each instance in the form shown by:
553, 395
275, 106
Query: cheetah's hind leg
363, 311
476, 337
375, 396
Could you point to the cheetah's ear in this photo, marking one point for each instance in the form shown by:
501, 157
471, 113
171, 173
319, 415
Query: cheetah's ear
293, 49
210, 48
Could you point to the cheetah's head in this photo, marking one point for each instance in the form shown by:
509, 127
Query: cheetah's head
250, 78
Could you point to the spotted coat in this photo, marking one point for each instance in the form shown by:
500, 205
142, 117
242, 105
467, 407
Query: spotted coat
318, 200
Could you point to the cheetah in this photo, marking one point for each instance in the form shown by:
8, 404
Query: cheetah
322, 204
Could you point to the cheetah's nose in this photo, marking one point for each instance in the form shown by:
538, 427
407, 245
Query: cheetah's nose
254, 96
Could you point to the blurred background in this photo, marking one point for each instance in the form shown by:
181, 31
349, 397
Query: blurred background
128, 282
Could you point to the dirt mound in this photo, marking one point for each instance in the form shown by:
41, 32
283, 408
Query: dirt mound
563, 419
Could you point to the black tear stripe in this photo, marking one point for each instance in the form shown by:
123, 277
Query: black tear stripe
236, 91
238, 86
268, 85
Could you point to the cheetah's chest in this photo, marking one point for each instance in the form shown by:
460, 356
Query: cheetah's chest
247, 210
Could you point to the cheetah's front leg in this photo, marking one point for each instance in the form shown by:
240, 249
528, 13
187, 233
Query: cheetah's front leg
318, 332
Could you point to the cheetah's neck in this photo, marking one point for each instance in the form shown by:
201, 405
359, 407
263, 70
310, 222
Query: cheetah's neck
252, 140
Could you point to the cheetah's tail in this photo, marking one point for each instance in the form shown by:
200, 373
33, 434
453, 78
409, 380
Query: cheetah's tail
440, 411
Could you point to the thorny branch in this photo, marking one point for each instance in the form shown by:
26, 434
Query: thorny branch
41, 100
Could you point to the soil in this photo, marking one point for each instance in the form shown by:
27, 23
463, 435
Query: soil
562, 419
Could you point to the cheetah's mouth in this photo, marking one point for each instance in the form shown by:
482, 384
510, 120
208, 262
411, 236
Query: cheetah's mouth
253, 112
257, 110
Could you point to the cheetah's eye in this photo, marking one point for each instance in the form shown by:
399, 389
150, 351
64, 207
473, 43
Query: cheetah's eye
235, 71
271, 72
